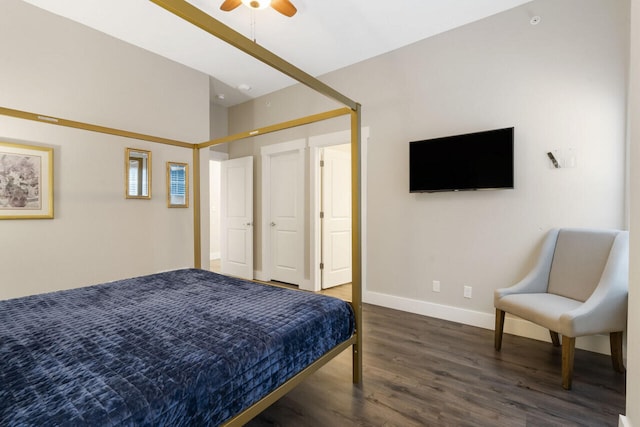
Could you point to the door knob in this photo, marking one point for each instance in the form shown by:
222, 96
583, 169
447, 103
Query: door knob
273, 224
249, 224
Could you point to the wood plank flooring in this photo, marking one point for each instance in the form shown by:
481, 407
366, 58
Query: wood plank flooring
420, 371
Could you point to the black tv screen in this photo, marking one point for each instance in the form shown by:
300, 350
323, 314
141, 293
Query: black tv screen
473, 161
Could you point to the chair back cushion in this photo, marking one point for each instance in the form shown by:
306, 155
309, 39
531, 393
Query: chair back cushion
578, 262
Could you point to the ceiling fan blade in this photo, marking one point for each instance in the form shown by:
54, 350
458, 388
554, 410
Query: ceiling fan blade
229, 5
284, 7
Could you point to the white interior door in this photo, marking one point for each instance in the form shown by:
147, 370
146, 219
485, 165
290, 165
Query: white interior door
286, 195
236, 219
336, 217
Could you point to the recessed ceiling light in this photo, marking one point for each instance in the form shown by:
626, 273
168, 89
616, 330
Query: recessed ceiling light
244, 86
220, 96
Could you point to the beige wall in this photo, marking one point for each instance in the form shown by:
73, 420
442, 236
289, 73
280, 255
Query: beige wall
633, 327
55, 67
561, 83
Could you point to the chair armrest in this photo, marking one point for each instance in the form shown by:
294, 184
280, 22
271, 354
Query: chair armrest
537, 280
606, 309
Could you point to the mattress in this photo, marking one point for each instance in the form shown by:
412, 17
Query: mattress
186, 347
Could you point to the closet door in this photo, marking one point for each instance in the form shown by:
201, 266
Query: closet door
336, 218
285, 216
237, 217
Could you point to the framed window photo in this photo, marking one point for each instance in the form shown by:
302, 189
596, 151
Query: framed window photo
26, 181
177, 185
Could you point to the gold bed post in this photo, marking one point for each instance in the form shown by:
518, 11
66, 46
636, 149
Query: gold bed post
356, 253
197, 246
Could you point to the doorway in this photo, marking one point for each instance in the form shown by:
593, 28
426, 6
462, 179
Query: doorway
319, 247
215, 163
309, 246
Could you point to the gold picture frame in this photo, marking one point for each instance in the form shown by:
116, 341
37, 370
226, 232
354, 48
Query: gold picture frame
137, 174
177, 185
26, 181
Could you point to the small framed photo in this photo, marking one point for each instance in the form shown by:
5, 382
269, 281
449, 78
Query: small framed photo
177, 185
26, 181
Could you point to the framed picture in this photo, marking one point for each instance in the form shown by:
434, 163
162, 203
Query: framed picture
177, 185
137, 174
26, 181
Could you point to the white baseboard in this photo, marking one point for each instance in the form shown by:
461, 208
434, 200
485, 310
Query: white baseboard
445, 312
512, 325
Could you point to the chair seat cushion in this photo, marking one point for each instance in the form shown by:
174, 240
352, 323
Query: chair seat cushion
540, 308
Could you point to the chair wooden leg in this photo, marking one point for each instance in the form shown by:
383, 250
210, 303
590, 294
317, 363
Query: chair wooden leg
499, 328
568, 351
555, 339
615, 338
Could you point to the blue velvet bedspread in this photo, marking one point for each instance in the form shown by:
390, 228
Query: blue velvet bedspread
187, 347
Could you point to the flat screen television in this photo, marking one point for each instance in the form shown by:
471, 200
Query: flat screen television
473, 161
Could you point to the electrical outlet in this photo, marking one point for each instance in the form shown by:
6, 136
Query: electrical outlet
436, 286
467, 291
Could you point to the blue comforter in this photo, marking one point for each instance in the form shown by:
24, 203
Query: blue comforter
187, 347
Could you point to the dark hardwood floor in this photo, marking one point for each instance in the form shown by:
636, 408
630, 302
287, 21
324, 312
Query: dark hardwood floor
420, 371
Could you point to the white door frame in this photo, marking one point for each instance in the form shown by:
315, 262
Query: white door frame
266, 152
315, 251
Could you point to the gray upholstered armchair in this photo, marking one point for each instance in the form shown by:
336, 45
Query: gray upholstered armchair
578, 287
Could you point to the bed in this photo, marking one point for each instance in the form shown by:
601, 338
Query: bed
185, 347
44, 390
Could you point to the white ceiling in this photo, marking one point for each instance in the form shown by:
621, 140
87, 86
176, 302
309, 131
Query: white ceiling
324, 35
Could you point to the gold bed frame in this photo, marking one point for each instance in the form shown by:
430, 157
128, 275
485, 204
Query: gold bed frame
200, 19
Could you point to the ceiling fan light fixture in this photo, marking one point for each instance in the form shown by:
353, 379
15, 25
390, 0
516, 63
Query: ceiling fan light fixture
257, 4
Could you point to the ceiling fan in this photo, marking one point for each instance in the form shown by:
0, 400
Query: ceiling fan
283, 6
